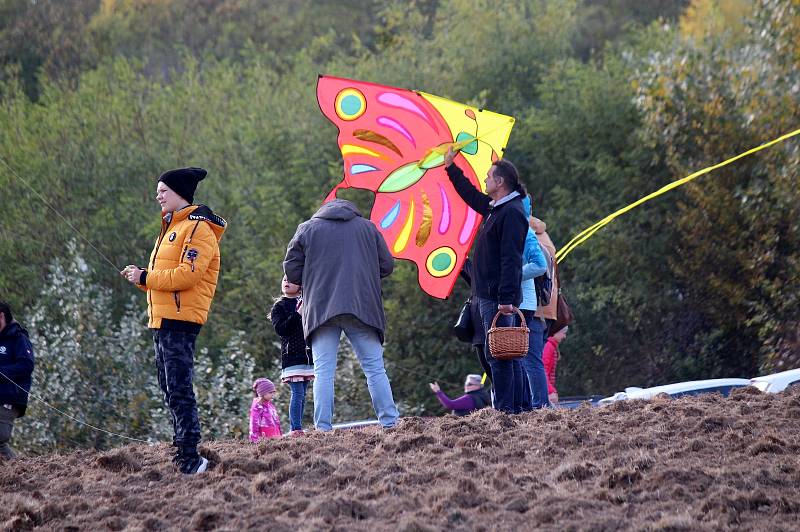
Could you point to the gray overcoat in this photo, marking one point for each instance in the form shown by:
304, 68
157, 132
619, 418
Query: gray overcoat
339, 258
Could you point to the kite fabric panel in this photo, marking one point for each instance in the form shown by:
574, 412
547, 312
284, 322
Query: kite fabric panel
393, 143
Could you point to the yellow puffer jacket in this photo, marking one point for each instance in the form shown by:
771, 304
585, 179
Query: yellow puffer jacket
182, 274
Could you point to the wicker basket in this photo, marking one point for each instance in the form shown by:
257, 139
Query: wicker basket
508, 343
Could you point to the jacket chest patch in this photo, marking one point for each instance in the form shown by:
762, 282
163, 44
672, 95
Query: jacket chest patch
2, 349
172, 236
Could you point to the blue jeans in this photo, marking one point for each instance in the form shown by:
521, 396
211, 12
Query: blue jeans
369, 351
297, 404
534, 367
507, 375
526, 404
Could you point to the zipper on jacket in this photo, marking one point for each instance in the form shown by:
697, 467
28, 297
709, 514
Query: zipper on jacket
186, 247
164, 227
177, 296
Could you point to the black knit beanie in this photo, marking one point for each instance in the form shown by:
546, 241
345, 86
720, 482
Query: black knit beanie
184, 181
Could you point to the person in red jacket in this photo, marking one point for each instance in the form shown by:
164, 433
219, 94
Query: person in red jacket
550, 357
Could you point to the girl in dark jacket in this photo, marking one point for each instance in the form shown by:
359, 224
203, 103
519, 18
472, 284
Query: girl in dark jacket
297, 362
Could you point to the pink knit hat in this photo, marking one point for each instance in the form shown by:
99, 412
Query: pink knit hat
263, 386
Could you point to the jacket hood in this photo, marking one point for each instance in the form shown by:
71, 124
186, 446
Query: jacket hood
202, 212
338, 209
538, 226
14, 328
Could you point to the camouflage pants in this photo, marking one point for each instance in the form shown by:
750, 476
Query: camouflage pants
175, 364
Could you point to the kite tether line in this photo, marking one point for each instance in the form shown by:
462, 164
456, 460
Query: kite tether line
73, 418
587, 233
50, 206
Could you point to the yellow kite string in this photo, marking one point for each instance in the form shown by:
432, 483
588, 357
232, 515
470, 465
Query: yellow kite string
584, 235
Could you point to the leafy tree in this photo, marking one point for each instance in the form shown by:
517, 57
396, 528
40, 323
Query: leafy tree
600, 22
102, 372
88, 365
45, 36
700, 283
738, 234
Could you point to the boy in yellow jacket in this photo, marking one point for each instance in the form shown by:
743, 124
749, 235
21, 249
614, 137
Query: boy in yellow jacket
180, 281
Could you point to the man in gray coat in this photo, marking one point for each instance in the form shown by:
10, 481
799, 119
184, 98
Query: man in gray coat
339, 259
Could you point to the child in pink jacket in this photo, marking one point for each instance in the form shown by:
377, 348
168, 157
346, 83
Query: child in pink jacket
264, 420
550, 357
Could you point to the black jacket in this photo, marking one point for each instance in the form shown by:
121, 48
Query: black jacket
289, 326
16, 363
499, 245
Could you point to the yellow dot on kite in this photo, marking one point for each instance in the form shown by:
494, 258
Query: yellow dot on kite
350, 104
441, 261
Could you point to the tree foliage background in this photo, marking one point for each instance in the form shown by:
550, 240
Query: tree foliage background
614, 98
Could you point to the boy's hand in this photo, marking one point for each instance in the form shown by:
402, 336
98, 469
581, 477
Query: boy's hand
132, 273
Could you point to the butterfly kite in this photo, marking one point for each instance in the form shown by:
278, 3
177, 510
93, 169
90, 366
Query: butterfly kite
393, 143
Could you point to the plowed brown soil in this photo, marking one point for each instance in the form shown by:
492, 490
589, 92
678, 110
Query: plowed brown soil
704, 463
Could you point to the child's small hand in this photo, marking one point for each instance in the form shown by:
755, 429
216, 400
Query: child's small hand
435, 387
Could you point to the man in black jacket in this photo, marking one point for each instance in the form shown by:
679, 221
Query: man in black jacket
16, 367
497, 262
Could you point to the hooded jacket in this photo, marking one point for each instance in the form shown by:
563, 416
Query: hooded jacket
548, 311
534, 264
265, 422
550, 356
181, 277
499, 244
339, 259
16, 363
289, 327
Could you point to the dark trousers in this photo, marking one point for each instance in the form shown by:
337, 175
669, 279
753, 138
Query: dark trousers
175, 364
481, 352
507, 375
7, 417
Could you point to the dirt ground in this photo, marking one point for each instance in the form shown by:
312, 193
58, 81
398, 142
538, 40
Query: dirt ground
704, 463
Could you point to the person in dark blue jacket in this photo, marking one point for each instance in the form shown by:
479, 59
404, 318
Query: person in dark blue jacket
497, 262
16, 368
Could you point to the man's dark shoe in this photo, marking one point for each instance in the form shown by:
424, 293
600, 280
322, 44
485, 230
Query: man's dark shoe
193, 465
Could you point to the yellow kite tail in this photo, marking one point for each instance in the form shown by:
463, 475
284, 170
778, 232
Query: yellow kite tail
587, 233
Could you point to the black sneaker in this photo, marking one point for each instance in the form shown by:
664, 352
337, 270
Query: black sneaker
193, 465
